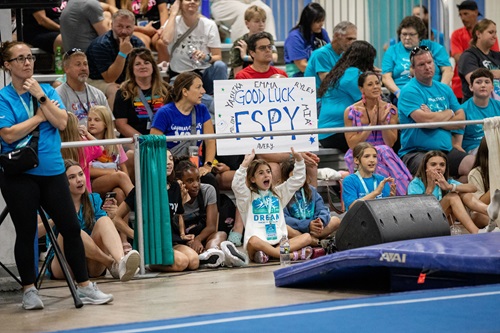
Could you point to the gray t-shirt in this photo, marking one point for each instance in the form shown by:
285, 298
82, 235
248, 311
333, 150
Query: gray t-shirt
191, 211
77, 21
79, 102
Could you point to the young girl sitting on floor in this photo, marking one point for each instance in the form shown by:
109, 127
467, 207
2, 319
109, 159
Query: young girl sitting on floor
432, 178
103, 248
185, 258
365, 184
306, 212
261, 207
201, 220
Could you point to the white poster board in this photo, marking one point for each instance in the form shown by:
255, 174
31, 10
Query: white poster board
265, 105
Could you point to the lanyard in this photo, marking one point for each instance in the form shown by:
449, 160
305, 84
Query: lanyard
375, 183
301, 205
83, 105
146, 104
29, 110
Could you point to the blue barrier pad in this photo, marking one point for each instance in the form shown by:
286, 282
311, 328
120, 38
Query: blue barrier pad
426, 263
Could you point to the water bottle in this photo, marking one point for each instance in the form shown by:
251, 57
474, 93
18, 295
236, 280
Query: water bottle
284, 251
455, 229
58, 61
190, 51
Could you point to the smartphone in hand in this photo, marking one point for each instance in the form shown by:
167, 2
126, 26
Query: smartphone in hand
109, 196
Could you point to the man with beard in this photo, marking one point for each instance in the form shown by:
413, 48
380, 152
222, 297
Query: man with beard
107, 54
76, 94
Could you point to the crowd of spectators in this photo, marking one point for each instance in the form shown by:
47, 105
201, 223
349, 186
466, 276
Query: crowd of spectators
113, 78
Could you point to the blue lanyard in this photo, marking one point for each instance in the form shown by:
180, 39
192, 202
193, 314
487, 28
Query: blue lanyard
29, 110
375, 183
301, 205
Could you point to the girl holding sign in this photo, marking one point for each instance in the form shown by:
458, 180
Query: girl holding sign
261, 207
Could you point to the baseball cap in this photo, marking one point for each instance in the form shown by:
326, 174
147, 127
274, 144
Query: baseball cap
470, 5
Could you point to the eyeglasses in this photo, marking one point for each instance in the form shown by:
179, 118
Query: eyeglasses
71, 52
265, 47
22, 59
407, 34
416, 50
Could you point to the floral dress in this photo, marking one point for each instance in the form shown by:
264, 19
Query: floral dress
388, 162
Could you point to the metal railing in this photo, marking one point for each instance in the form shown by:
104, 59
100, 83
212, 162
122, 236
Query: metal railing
136, 139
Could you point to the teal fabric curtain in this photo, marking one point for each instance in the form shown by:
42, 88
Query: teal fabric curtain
383, 25
158, 248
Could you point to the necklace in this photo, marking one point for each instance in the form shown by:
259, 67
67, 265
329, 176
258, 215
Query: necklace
83, 105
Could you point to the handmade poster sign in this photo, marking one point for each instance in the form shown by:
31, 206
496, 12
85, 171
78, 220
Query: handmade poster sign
265, 106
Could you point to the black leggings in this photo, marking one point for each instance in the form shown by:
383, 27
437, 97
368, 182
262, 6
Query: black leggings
23, 195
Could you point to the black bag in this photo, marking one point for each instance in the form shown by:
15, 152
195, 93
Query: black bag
22, 159
19, 160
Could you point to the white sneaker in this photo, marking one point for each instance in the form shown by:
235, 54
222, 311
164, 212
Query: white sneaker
92, 295
233, 256
128, 265
211, 258
114, 270
31, 300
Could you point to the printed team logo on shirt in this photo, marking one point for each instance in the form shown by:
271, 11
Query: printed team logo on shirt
266, 209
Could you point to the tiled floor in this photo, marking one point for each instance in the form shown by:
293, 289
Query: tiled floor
168, 295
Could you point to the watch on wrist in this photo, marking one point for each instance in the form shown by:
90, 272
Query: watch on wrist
208, 163
42, 99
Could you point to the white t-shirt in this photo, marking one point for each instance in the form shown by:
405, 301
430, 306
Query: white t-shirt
203, 37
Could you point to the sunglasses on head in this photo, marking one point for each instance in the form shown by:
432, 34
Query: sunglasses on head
417, 49
71, 52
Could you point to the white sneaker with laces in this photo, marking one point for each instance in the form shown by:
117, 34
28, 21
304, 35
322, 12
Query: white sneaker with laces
212, 258
31, 300
92, 295
128, 265
234, 257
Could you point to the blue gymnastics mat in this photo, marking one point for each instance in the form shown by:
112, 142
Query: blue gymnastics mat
426, 263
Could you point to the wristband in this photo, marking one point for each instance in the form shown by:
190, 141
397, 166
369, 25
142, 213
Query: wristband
121, 54
454, 188
397, 92
208, 57
452, 113
246, 58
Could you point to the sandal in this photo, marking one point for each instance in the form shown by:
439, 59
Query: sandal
305, 254
260, 257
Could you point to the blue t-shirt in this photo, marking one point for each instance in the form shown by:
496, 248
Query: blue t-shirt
322, 60
96, 201
353, 189
396, 60
437, 97
337, 99
416, 186
12, 111
472, 134
172, 122
296, 48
